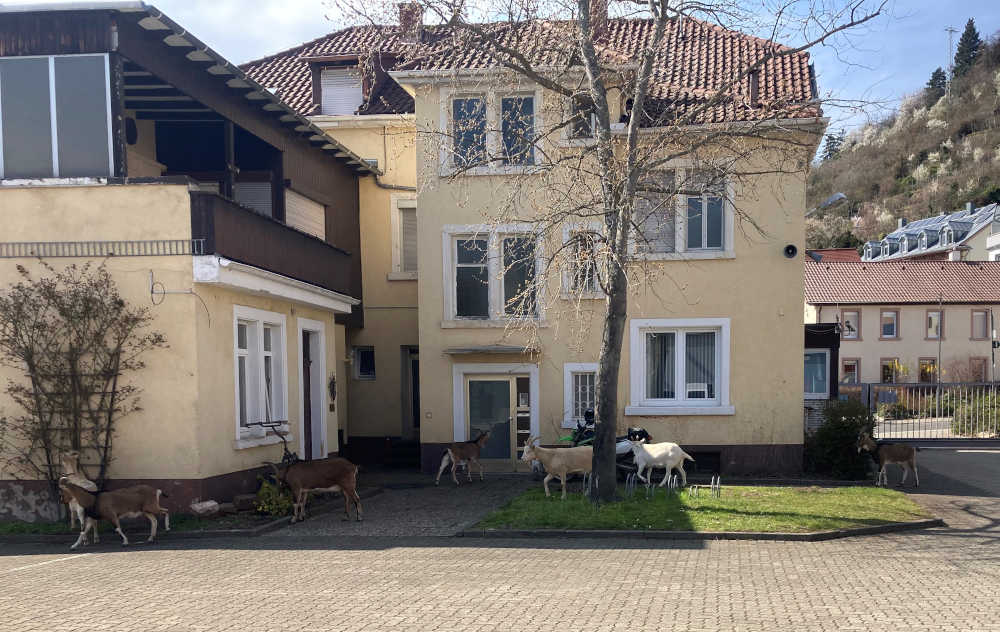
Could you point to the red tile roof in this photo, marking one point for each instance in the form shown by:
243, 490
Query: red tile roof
896, 282
696, 59
827, 255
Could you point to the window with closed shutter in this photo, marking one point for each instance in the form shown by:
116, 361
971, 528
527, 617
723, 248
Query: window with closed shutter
305, 214
341, 91
254, 195
408, 239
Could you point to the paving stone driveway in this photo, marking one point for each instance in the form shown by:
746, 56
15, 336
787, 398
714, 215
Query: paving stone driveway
945, 579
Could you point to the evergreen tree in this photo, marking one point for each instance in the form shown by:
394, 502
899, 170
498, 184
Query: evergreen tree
969, 47
832, 145
936, 87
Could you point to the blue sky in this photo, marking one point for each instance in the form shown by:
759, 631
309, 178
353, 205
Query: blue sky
893, 56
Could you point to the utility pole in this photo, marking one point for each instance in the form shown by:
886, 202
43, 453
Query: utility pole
951, 30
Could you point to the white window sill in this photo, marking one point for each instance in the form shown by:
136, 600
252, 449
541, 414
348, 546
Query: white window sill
817, 396
256, 442
401, 276
473, 323
578, 142
690, 255
667, 411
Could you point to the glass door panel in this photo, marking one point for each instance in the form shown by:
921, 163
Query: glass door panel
489, 402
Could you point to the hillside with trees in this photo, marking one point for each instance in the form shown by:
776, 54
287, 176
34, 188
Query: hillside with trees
938, 151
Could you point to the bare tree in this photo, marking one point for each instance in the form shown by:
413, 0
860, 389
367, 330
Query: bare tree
593, 169
74, 340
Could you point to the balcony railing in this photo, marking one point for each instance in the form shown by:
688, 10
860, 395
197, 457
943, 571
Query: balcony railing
240, 234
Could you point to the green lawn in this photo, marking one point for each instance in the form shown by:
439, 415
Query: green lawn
771, 509
180, 522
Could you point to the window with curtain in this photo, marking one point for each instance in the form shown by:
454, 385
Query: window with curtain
849, 375
850, 328
660, 362
469, 130
517, 125
934, 325
700, 370
655, 213
682, 365
817, 374
890, 324
261, 374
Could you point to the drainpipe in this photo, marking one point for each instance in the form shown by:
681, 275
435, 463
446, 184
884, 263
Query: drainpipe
392, 187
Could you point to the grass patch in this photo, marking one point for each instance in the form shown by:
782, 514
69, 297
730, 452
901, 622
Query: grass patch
764, 509
178, 522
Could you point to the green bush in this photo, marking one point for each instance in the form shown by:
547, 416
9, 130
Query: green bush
893, 411
272, 499
832, 449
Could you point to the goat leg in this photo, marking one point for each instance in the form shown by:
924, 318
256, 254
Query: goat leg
152, 527
916, 482
444, 464
347, 505
118, 529
545, 484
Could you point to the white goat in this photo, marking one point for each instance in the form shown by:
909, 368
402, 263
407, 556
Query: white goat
654, 455
72, 472
559, 462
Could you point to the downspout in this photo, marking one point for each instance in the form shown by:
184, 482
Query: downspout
385, 156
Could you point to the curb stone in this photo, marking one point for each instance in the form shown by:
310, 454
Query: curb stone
267, 527
814, 536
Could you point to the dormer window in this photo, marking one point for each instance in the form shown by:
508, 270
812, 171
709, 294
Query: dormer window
341, 90
922, 242
946, 236
885, 249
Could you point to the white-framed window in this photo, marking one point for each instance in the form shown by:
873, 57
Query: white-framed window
260, 369
517, 129
935, 324
850, 326
980, 324
683, 212
579, 391
491, 276
889, 325
580, 270
55, 116
364, 363
850, 373
946, 236
404, 237
491, 132
817, 374
656, 213
341, 90
469, 130
679, 366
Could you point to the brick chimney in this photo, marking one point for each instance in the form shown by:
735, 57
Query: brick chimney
599, 18
411, 19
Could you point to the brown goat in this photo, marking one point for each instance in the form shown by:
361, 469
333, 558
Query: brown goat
128, 502
325, 475
465, 452
70, 462
886, 453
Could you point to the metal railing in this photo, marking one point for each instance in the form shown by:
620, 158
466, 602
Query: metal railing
128, 248
949, 411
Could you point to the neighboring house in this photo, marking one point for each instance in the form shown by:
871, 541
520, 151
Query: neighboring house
834, 254
960, 236
374, 118
127, 140
740, 402
901, 320
822, 357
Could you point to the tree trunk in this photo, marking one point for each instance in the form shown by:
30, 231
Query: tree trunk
605, 472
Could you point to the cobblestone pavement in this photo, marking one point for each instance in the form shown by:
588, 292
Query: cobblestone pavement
944, 579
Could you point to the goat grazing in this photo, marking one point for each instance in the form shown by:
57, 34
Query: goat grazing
885, 453
655, 455
70, 462
128, 502
559, 462
465, 452
325, 475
